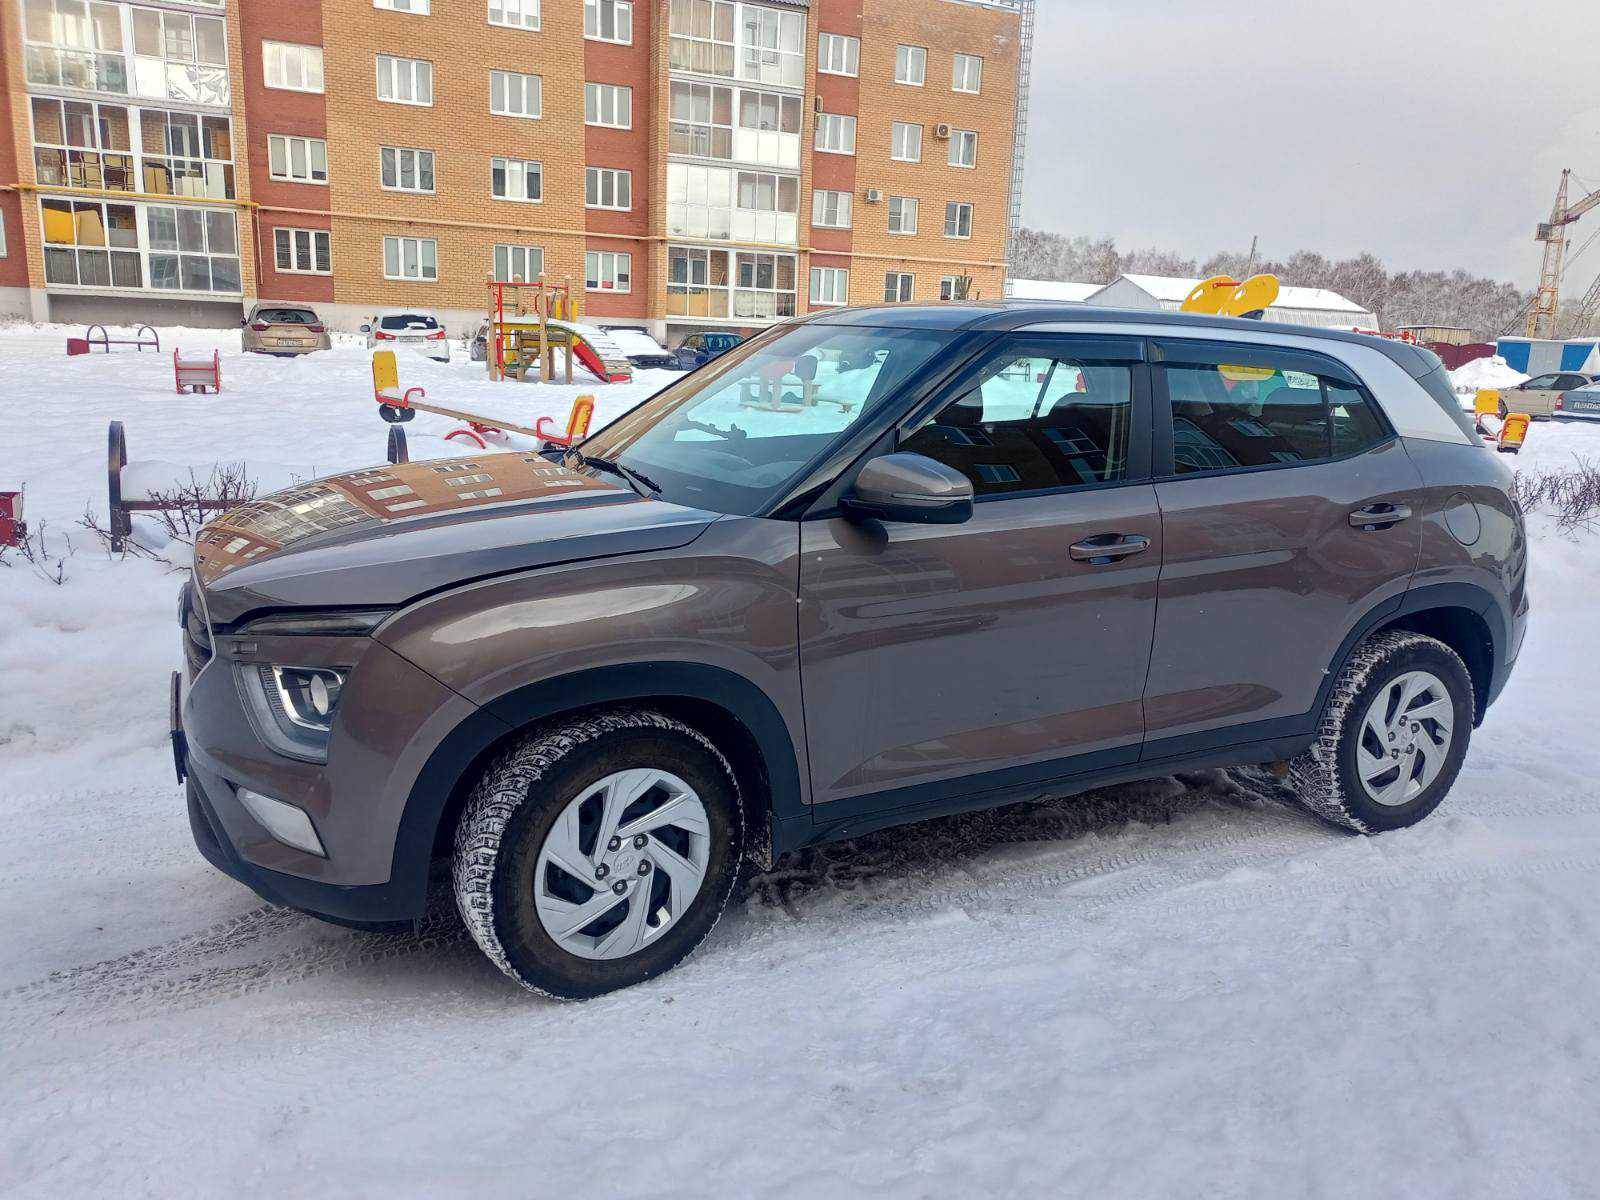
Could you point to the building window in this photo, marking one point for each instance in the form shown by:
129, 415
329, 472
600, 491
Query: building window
88, 243
178, 57
186, 155
836, 134
955, 287
838, 54
77, 143
745, 285
403, 169
830, 210
302, 251
512, 94
772, 46
405, 80
193, 250
830, 285
702, 36
708, 202
897, 286
608, 104
419, 7
608, 20
297, 159
516, 179
606, 187
738, 41
518, 263
68, 46
701, 120
292, 68
957, 220
963, 148
910, 65
907, 142
902, 214
966, 74
410, 258
516, 14
607, 271
4, 253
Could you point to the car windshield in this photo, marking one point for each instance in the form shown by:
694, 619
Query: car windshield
287, 316
731, 436
407, 321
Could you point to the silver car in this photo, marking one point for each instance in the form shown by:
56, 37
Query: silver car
283, 329
410, 329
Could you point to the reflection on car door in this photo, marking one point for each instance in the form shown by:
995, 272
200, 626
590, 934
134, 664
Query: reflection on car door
1270, 460
940, 660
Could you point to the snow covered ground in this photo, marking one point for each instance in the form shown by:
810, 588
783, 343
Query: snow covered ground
1157, 990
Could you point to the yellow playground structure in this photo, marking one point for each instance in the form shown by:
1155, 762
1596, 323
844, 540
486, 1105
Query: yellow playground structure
537, 318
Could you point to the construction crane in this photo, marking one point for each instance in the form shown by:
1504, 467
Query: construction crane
1553, 233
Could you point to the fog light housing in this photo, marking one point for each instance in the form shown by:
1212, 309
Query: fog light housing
288, 824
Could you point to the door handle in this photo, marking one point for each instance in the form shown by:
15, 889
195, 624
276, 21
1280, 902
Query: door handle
1107, 548
1379, 516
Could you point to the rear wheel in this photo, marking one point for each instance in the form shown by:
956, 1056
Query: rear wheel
1393, 735
599, 854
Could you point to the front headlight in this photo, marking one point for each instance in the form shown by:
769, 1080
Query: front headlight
293, 707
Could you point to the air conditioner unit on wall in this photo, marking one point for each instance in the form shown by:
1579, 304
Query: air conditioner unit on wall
816, 103
872, 196
942, 132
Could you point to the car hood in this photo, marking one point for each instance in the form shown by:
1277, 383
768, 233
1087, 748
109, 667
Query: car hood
382, 536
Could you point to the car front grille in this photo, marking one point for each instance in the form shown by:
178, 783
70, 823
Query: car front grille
196, 635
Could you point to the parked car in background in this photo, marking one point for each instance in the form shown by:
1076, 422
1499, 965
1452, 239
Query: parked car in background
642, 350
1541, 396
1012, 549
1582, 402
700, 348
478, 343
408, 328
283, 329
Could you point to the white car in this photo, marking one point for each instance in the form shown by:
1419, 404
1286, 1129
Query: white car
408, 328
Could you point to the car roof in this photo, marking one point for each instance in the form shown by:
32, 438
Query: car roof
965, 315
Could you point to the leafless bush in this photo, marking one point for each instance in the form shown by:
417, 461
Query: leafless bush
103, 535
1571, 495
34, 552
189, 504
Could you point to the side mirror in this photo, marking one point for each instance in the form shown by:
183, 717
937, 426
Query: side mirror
911, 487
366, 329
243, 321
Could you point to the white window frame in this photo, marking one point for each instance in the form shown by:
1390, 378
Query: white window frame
958, 139
843, 204
904, 282
954, 209
416, 154
535, 88
830, 286
294, 238
400, 245
4, 253
275, 54
840, 123
947, 286
620, 181
605, 265
965, 68
838, 54
620, 96
527, 252
287, 141
904, 145
415, 8
905, 58
524, 10
516, 168
902, 202
621, 14
412, 66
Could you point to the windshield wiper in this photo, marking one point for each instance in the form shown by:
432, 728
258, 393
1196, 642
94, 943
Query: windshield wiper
631, 477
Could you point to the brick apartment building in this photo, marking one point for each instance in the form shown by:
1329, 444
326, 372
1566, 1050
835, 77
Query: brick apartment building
686, 164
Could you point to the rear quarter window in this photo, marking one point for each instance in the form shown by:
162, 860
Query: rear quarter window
1440, 390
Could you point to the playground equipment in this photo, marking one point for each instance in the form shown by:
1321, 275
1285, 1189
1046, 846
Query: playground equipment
196, 374
144, 338
140, 490
541, 319
1225, 296
1513, 433
12, 527
1488, 403
397, 406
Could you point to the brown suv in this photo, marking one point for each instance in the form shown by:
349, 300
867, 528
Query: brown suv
870, 566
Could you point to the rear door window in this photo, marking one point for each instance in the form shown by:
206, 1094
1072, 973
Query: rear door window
1242, 408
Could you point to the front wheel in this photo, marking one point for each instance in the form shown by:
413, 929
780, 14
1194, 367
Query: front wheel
599, 853
1393, 735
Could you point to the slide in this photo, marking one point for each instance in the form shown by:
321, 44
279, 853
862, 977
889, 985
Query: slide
597, 352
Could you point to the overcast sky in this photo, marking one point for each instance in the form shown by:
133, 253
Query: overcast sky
1431, 132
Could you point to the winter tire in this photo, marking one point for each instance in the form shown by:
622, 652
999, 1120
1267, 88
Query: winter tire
1392, 736
598, 853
